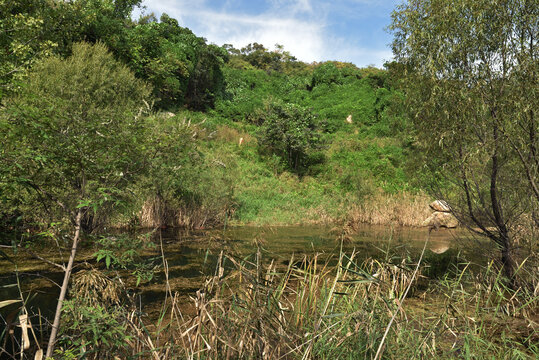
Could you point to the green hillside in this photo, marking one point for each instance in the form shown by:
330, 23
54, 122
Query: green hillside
320, 141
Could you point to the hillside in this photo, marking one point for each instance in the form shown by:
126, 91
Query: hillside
241, 136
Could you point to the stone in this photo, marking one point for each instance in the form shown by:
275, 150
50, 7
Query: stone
438, 248
439, 219
440, 205
349, 119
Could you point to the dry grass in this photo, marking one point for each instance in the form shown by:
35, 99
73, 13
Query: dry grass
402, 209
93, 287
232, 135
309, 310
252, 308
156, 212
266, 311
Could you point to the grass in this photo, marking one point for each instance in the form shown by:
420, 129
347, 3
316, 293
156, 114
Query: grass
310, 310
313, 307
316, 311
356, 170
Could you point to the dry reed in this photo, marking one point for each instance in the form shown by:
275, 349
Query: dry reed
156, 212
403, 209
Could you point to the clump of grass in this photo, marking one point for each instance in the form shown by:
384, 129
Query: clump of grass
156, 212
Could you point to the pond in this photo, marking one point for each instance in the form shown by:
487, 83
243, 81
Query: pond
192, 257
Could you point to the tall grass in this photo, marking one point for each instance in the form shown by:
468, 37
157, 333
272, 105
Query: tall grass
156, 212
325, 307
404, 209
308, 309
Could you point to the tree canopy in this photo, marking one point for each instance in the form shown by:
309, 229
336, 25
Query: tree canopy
74, 133
470, 76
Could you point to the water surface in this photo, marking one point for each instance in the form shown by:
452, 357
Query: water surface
192, 256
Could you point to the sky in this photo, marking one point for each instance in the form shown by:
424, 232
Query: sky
311, 30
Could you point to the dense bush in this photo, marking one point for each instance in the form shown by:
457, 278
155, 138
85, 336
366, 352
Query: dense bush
181, 66
290, 132
326, 73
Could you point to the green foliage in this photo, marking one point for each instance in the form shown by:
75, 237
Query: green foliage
23, 38
34, 29
290, 132
326, 73
124, 253
93, 331
192, 178
74, 136
256, 56
180, 66
465, 65
187, 169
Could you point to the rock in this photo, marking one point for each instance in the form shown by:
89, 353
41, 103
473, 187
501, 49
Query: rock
349, 119
440, 205
440, 219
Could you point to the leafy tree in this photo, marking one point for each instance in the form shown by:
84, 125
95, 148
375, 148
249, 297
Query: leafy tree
290, 132
256, 56
182, 68
23, 39
73, 139
326, 73
32, 29
470, 75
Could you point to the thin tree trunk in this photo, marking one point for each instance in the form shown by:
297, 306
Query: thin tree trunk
509, 265
508, 262
65, 284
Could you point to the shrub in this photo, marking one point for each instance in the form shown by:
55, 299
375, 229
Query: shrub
327, 73
290, 132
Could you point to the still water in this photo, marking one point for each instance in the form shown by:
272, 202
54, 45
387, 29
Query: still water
192, 256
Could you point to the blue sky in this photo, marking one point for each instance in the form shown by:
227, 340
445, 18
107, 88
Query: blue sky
312, 30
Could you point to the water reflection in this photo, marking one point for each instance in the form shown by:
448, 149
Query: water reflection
192, 256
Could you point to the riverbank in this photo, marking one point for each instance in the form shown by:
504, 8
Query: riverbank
285, 200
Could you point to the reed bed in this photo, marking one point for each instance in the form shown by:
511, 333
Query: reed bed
320, 307
311, 310
403, 209
156, 213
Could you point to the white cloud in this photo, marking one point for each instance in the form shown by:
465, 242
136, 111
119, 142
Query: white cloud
302, 38
294, 6
299, 25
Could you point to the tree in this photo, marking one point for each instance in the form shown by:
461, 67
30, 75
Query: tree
290, 132
73, 139
470, 75
22, 39
33, 29
182, 68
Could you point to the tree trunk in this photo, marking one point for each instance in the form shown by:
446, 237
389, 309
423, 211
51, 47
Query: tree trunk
509, 264
65, 284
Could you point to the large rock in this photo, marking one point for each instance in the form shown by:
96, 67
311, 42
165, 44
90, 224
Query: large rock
440, 205
440, 219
